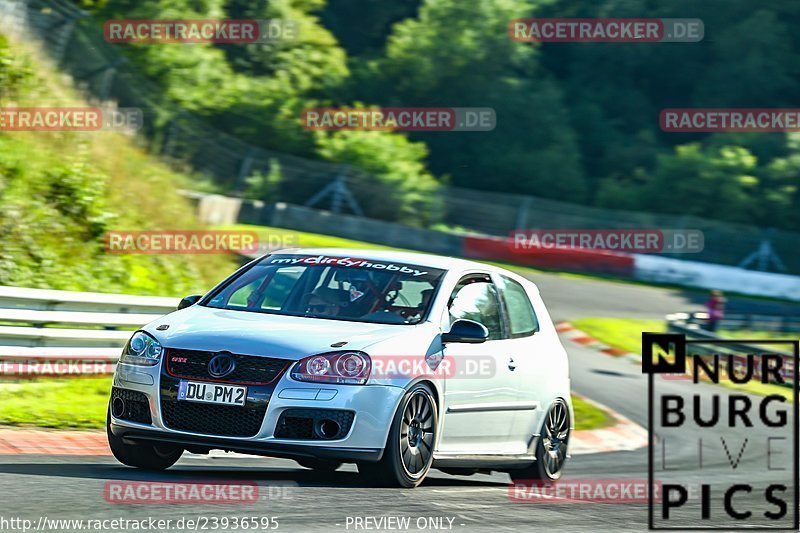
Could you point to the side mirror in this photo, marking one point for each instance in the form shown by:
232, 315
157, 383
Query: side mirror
463, 330
189, 300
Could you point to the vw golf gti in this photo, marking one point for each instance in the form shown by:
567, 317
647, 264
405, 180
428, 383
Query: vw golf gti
398, 362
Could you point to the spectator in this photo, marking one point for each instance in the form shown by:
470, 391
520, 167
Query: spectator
716, 309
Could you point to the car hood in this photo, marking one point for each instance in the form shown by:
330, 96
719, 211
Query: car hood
249, 333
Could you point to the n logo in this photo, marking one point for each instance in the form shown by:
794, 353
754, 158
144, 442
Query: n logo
663, 353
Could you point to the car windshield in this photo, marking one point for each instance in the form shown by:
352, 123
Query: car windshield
340, 288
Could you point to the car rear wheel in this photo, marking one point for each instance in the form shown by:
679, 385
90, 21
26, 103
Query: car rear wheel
408, 455
146, 457
551, 447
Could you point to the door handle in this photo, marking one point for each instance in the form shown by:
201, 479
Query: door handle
511, 364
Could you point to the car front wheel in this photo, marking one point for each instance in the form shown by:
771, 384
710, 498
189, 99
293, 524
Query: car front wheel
408, 455
146, 457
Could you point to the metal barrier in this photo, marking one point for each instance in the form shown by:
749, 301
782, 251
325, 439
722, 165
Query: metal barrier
739, 322
689, 324
43, 339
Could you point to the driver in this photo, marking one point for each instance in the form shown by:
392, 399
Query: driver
324, 302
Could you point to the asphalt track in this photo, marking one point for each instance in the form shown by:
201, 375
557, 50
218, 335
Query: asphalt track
73, 487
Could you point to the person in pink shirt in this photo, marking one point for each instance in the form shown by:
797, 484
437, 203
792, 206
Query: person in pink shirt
716, 309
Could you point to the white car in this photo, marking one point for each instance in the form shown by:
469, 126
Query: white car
398, 362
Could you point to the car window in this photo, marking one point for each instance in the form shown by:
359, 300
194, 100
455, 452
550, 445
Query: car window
340, 288
521, 316
477, 300
275, 293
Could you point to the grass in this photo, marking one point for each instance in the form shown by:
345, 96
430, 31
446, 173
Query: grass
589, 416
80, 403
289, 238
623, 333
626, 333
70, 403
758, 335
60, 192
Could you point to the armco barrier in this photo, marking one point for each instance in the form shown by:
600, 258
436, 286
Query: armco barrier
24, 298
744, 322
644, 267
658, 269
555, 258
678, 323
32, 348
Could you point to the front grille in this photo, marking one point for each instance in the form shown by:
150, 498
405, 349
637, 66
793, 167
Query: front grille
250, 369
224, 420
136, 405
304, 424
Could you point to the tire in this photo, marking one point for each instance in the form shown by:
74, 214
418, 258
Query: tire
408, 454
141, 455
320, 465
551, 448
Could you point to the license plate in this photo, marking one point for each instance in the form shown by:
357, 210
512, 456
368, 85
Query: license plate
194, 391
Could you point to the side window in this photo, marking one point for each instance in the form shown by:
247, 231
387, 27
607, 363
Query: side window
477, 300
521, 316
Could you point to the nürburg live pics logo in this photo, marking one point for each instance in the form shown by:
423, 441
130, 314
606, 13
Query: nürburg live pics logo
723, 423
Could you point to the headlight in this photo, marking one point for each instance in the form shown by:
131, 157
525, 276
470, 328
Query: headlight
142, 349
344, 368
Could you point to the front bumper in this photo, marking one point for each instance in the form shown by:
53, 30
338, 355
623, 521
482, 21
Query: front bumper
271, 448
374, 407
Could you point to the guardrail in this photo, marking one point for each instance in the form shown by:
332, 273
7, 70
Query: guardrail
63, 333
739, 322
689, 324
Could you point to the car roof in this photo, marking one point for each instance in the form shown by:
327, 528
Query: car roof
412, 258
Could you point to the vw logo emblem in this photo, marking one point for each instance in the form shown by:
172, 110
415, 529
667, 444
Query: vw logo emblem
221, 365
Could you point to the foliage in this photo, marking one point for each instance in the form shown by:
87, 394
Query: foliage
575, 121
60, 193
265, 186
404, 187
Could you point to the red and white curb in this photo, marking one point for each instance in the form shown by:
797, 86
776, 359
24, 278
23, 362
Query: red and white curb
573, 334
624, 435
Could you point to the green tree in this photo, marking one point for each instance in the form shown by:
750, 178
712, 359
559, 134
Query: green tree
265, 186
397, 186
457, 54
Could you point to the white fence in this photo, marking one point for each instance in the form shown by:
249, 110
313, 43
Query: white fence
47, 332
